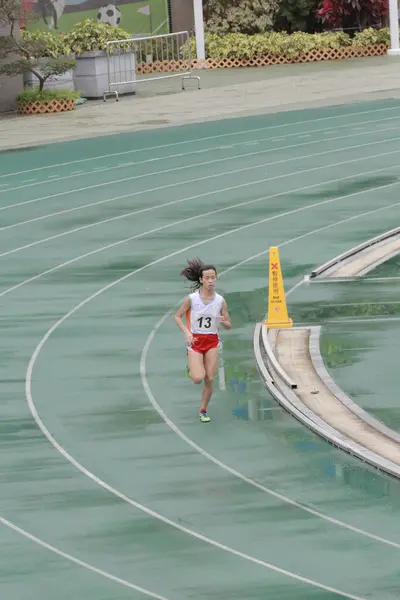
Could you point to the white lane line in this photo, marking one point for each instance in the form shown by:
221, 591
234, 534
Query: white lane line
186, 199
74, 462
216, 175
212, 137
226, 208
219, 160
61, 450
195, 152
118, 580
354, 321
185, 530
189, 198
212, 458
77, 561
323, 305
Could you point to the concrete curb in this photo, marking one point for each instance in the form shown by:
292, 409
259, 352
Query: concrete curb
291, 402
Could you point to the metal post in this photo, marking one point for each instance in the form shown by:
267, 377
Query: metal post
199, 28
394, 28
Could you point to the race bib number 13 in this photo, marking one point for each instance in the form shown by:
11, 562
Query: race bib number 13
204, 322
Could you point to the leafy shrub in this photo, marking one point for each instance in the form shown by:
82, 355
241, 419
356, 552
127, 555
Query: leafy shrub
45, 95
52, 46
372, 36
89, 35
241, 46
246, 16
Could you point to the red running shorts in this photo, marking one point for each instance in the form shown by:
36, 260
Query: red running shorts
204, 342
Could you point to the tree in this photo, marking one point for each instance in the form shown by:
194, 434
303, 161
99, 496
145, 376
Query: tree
297, 15
36, 53
240, 16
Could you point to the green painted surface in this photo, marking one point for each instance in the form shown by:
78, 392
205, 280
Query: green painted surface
363, 361
86, 383
363, 357
390, 268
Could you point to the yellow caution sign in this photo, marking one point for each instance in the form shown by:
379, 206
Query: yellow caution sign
277, 310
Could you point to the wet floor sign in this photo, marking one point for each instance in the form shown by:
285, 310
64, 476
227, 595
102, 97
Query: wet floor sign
277, 309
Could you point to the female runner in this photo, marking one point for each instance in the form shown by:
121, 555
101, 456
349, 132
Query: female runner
205, 310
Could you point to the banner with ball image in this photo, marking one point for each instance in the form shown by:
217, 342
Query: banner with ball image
149, 17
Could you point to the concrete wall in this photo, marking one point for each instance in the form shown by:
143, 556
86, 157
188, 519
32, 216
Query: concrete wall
182, 15
9, 87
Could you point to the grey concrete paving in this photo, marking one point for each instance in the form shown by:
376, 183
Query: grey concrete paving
223, 94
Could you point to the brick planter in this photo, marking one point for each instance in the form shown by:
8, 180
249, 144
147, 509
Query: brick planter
39, 107
316, 55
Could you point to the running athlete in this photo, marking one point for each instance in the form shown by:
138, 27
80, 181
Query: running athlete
205, 311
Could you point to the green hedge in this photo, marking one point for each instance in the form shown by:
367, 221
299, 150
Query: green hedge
371, 36
241, 46
46, 95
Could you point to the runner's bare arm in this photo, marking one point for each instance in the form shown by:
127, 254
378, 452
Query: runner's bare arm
225, 318
182, 310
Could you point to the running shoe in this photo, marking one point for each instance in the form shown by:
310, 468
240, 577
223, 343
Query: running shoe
204, 418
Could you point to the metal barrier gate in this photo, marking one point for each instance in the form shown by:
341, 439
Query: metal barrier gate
150, 58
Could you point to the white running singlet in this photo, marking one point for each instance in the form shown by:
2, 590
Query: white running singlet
204, 315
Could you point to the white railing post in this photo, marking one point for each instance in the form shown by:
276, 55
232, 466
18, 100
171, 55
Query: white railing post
394, 28
199, 29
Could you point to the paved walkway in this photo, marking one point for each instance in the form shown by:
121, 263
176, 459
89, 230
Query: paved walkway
223, 94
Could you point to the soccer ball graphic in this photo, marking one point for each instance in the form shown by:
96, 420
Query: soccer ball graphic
109, 14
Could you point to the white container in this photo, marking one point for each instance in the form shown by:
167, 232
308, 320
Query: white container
91, 73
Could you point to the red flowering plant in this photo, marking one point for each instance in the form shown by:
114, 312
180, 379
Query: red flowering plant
352, 14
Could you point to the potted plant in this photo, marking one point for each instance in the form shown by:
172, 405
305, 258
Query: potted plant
54, 47
88, 40
19, 56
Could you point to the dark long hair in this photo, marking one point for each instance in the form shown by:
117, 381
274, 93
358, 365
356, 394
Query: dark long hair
194, 272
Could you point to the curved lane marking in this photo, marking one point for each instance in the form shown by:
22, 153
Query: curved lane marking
212, 458
143, 234
194, 152
179, 183
197, 140
79, 562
